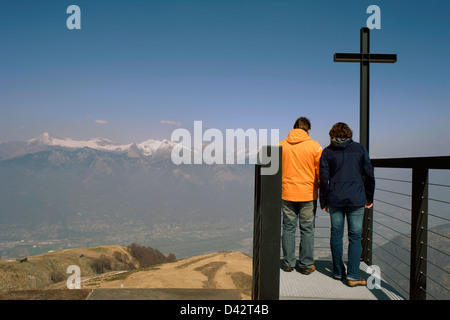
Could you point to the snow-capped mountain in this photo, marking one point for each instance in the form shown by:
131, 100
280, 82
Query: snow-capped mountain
147, 147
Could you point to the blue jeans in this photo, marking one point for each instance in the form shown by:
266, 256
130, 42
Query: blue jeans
355, 216
304, 214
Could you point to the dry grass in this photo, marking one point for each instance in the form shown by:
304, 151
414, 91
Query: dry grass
222, 270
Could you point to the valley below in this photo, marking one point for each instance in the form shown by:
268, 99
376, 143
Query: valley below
183, 239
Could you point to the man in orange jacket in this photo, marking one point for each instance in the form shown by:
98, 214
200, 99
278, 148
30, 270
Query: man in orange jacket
300, 183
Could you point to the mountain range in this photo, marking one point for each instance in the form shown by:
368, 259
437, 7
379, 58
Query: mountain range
59, 192
46, 141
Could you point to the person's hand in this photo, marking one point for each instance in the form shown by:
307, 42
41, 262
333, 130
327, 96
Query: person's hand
325, 208
369, 205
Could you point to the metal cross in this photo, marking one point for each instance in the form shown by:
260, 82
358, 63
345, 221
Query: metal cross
364, 58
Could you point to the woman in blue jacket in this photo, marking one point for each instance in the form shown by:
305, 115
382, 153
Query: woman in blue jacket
347, 186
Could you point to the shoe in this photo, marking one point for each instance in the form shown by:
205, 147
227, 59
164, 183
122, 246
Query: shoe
341, 277
355, 283
287, 269
308, 271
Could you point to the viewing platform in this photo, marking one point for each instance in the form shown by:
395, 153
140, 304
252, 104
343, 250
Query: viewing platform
405, 235
321, 285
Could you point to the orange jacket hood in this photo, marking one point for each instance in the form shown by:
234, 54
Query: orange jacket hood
297, 136
300, 166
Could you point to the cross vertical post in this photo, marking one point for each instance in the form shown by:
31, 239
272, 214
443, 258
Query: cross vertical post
365, 58
364, 89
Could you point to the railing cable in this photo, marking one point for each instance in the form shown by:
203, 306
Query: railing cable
439, 185
405, 235
438, 234
441, 201
428, 277
433, 215
380, 246
429, 246
383, 213
390, 191
396, 180
394, 205
445, 288
392, 242
435, 265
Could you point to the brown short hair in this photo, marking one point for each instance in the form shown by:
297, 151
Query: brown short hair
302, 123
341, 130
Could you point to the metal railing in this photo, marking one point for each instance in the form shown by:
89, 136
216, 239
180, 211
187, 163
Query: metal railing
398, 228
410, 210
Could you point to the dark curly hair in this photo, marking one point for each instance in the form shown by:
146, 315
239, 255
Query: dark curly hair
341, 130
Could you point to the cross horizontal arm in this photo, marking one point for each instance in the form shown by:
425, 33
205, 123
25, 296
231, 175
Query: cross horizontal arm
371, 57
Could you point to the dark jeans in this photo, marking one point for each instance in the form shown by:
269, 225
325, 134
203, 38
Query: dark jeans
355, 216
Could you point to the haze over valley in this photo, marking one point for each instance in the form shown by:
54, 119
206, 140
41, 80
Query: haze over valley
60, 193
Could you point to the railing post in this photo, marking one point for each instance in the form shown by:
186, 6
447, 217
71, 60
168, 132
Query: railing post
419, 227
267, 232
366, 238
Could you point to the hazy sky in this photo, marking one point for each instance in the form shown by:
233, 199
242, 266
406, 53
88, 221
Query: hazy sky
140, 69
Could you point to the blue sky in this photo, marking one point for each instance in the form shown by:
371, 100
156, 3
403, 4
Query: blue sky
145, 68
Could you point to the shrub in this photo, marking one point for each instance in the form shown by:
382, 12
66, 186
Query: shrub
118, 256
57, 276
171, 257
101, 264
147, 256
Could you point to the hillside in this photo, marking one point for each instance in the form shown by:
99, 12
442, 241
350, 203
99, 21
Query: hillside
222, 270
45, 269
40, 271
